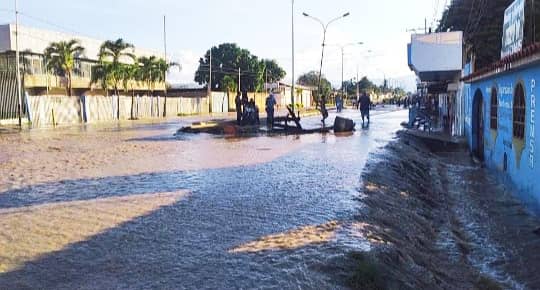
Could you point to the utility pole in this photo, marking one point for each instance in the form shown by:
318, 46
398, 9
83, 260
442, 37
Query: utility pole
342, 66
19, 107
239, 86
165, 73
210, 76
357, 83
209, 86
292, 35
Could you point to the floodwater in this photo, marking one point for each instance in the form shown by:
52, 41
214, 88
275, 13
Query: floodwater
133, 207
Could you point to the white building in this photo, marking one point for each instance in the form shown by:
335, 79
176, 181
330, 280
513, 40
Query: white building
32, 44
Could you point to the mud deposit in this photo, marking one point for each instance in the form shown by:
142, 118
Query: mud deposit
442, 222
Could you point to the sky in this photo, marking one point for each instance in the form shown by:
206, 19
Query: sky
261, 26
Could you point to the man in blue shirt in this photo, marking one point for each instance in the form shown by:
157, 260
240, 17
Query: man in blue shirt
270, 104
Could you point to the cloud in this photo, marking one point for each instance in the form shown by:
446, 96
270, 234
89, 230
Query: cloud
189, 61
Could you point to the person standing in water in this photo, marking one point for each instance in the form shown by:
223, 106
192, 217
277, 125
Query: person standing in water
238, 103
270, 104
365, 104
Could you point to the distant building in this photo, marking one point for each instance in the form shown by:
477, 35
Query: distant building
303, 95
32, 44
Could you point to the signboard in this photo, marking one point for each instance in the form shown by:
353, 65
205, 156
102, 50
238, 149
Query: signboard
514, 20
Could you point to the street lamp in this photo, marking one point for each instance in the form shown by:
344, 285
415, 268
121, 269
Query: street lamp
342, 47
358, 77
325, 27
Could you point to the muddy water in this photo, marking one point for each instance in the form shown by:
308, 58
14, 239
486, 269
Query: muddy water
134, 208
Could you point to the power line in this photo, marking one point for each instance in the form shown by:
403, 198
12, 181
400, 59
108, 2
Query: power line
49, 23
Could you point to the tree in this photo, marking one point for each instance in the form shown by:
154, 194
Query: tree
227, 58
149, 73
482, 24
112, 56
112, 52
161, 67
129, 74
228, 83
311, 79
60, 58
102, 73
273, 72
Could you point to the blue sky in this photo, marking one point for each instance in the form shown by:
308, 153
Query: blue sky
262, 26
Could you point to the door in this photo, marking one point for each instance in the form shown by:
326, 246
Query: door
478, 125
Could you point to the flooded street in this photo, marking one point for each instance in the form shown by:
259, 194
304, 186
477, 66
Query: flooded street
134, 207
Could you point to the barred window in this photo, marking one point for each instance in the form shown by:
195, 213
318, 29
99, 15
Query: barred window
519, 113
494, 109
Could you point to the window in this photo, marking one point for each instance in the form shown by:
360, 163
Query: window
494, 109
518, 115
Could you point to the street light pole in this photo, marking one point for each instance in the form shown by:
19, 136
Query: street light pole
325, 27
165, 73
343, 64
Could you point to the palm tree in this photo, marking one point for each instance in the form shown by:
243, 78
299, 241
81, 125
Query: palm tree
101, 73
148, 72
115, 53
130, 74
60, 58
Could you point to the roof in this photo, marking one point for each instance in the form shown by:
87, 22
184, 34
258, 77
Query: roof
36, 40
527, 56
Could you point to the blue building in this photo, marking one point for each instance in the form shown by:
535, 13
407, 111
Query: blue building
500, 119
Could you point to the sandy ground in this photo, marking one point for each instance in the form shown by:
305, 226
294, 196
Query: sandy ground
445, 223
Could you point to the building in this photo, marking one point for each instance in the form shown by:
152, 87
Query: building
303, 95
36, 79
437, 60
501, 119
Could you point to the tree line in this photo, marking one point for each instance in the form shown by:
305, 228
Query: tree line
230, 62
116, 66
228, 58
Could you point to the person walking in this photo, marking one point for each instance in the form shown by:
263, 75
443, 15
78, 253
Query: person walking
339, 103
365, 104
270, 104
238, 103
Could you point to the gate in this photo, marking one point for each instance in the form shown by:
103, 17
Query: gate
9, 101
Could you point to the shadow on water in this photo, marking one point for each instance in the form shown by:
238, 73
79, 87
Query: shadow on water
188, 244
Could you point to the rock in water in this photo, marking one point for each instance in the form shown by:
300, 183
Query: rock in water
343, 125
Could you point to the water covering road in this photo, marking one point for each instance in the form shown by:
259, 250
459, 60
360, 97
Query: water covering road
285, 222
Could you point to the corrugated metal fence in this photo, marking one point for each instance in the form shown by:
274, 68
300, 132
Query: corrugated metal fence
8, 95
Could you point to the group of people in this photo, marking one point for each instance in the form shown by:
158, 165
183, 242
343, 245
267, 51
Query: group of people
247, 112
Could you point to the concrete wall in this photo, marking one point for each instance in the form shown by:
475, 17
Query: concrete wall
94, 109
63, 110
220, 102
523, 166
